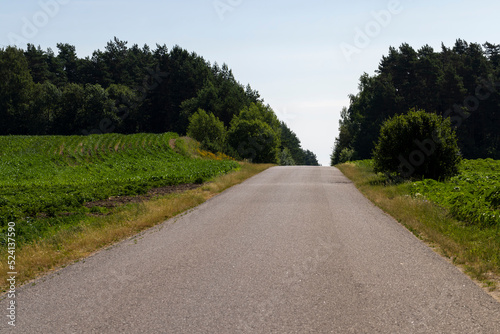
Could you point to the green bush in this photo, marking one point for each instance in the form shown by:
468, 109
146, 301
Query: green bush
472, 196
254, 140
417, 145
255, 134
286, 158
347, 154
208, 130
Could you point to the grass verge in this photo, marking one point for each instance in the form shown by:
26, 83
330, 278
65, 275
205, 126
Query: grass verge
95, 233
475, 250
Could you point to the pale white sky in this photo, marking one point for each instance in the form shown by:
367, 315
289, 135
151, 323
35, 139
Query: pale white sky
304, 57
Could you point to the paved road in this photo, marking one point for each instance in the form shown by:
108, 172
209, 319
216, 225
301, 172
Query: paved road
292, 250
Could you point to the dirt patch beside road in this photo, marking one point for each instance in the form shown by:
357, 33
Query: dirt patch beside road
155, 192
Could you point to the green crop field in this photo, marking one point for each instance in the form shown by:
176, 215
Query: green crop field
473, 196
46, 180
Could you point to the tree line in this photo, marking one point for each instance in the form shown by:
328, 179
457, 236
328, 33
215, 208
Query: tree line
461, 83
124, 90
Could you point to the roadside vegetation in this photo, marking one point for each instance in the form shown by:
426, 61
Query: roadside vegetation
417, 145
459, 83
47, 181
460, 217
129, 90
472, 196
70, 196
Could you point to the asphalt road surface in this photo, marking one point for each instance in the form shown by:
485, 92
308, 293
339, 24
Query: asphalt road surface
292, 250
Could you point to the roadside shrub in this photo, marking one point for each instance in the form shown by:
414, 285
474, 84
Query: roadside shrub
472, 196
347, 154
208, 130
286, 158
254, 140
417, 145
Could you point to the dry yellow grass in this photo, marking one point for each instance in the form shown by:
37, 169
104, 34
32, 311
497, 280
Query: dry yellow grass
69, 246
